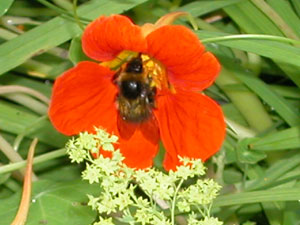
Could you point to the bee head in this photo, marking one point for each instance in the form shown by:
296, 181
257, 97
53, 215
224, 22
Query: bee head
135, 66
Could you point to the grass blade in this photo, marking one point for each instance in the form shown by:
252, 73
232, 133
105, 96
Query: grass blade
42, 38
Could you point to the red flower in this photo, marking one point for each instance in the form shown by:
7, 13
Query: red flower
162, 94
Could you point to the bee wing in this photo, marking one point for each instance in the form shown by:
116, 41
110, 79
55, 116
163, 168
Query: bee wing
150, 129
126, 129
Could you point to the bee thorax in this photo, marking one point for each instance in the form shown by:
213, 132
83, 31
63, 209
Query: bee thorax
131, 89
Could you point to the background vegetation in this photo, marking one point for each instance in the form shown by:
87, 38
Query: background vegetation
257, 43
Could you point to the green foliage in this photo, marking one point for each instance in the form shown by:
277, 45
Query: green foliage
75, 52
257, 43
4, 6
51, 202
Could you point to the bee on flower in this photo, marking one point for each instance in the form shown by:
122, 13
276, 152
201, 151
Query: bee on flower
145, 88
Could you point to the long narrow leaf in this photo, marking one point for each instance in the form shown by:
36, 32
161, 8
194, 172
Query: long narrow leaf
272, 195
54, 32
281, 140
267, 48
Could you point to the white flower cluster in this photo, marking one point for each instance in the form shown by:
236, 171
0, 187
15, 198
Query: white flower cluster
142, 196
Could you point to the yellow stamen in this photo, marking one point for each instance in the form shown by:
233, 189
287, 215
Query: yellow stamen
156, 72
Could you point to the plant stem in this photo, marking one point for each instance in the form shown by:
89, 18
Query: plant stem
29, 102
23, 210
174, 202
76, 15
36, 160
250, 36
13, 156
16, 88
62, 11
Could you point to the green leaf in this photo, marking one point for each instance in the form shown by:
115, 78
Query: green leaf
267, 48
11, 79
287, 91
271, 195
232, 176
246, 155
54, 203
199, 8
291, 213
253, 21
4, 6
15, 120
63, 173
281, 140
234, 114
279, 104
55, 32
75, 52
285, 11
287, 111
296, 5
276, 171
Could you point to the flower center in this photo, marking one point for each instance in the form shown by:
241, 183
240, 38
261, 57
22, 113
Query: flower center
155, 72
138, 77
150, 68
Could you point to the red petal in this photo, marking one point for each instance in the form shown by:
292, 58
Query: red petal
138, 150
106, 37
180, 50
83, 97
126, 129
191, 125
149, 129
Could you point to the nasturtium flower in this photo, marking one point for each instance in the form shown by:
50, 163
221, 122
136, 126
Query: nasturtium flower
145, 88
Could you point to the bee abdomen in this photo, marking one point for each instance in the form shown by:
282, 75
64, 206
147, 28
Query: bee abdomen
135, 110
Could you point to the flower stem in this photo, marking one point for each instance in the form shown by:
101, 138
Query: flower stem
36, 160
250, 36
27, 185
29, 102
174, 201
13, 156
62, 11
76, 15
16, 88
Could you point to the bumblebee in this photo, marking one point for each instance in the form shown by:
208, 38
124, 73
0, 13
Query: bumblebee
136, 97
